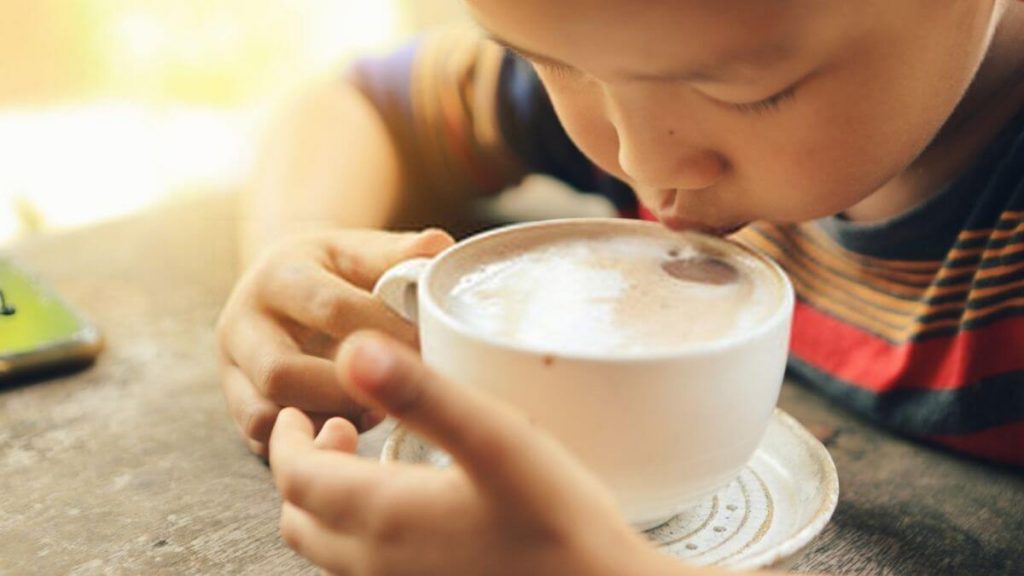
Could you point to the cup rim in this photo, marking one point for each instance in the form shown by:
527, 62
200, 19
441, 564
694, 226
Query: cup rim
781, 314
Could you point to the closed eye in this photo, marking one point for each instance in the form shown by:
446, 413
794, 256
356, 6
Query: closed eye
555, 68
766, 106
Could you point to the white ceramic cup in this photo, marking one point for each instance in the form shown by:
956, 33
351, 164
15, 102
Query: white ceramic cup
661, 431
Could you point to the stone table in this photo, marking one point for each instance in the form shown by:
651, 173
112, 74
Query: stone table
133, 466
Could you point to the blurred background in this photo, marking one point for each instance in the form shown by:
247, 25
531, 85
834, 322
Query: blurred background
110, 106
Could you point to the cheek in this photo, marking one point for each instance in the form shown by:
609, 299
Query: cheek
844, 139
580, 109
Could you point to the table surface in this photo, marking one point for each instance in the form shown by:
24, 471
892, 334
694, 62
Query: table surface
133, 466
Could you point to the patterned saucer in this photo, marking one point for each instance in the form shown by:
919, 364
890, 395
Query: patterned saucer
781, 500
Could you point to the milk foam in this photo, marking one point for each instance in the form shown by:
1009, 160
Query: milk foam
608, 296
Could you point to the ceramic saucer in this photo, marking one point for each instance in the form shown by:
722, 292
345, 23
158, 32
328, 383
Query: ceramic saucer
780, 501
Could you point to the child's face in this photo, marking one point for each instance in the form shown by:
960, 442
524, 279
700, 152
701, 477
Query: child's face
720, 112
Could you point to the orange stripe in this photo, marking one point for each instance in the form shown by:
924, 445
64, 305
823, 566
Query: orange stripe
1003, 305
890, 324
1006, 215
870, 261
818, 293
902, 266
993, 290
957, 253
885, 302
986, 253
794, 244
942, 273
810, 290
909, 271
883, 283
424, 113
997, 271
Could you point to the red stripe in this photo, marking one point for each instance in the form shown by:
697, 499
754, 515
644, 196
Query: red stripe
1003, 444
870, 362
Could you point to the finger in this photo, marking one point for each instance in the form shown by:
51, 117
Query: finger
258, 448
316, 542
377, 251
253, 414
281, 373
316, 298
337, 434
491, 441
371, 419
335, 486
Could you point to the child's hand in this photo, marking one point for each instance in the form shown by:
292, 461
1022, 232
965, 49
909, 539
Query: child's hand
516, 504
288, 314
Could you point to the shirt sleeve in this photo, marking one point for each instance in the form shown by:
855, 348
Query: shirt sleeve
467, 114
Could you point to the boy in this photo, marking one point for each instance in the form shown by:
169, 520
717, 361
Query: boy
877, 147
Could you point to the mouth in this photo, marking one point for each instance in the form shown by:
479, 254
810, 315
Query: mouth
677, 223
669, 214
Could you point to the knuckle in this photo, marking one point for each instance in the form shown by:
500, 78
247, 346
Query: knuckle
331, 308
259, 421
273, 378
258, 448
386, 531
222, 330
388, 520
290, 533
292, 486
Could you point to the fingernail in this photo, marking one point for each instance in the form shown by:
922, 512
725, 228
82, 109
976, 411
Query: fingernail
371, 361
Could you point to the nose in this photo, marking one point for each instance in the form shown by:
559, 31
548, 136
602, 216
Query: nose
657, 152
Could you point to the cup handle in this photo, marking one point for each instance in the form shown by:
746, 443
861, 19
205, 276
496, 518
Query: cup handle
397, 287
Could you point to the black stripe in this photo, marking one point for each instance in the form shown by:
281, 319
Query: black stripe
956, 279
960, 294
987, 243
943, 332
973, 324
946, 298
987, 301
974, 304
985, 320
955, 296
1002, 225
966, 276
1005, 260
992, 402
885, 272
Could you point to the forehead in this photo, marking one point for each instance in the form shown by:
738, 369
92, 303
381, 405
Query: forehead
641, 34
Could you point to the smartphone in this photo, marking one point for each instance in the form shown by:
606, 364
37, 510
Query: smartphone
39, 331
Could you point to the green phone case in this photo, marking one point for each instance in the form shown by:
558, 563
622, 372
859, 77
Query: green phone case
38, 329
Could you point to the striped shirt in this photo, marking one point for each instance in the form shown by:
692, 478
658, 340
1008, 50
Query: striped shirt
916, 323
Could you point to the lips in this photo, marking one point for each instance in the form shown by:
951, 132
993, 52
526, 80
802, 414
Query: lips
670, 214
673, 221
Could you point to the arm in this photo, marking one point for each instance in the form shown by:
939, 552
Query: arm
330, 162
303, 180
345, 160
405, 140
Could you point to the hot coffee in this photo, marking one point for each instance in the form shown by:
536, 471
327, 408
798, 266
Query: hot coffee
582, 323
592, 294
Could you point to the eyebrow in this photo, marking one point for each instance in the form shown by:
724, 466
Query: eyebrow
711, 72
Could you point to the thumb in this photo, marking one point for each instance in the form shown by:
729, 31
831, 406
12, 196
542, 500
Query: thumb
492, 442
